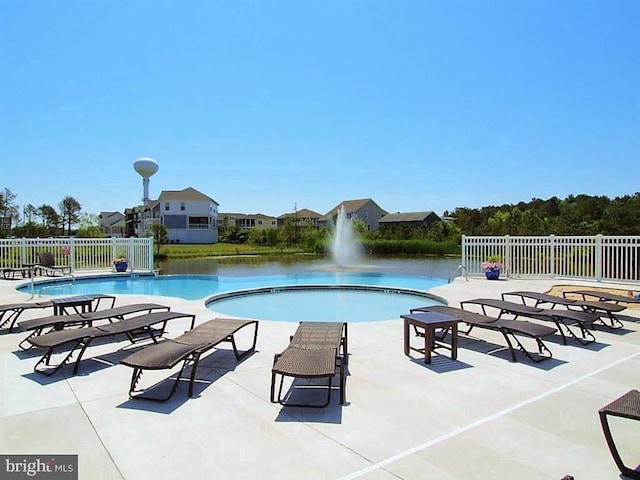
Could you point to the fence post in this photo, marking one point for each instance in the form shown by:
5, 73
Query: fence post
132, 254
552, 244
463, 258
72, 254
507, 255
599, 257
151, 254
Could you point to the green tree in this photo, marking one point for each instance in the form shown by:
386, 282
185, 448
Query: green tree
159, 231
8, 208
70, 209
50, 218
89, 226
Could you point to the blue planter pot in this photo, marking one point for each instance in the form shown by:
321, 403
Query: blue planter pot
121, 266
492, 274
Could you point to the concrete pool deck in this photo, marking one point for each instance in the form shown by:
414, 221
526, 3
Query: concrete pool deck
478, 417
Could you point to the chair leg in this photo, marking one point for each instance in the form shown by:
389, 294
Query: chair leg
613, 449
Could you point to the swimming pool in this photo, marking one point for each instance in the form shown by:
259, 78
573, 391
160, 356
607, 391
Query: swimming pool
321, 303
345, 304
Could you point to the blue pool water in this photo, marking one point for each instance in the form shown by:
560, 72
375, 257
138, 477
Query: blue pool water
335, 305
323, 305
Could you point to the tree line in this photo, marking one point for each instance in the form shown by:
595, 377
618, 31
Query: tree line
44, 220
574, 215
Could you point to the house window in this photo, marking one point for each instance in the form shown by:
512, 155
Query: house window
181, 205
166, 205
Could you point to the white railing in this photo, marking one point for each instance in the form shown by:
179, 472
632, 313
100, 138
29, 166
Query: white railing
596, 257
79, 253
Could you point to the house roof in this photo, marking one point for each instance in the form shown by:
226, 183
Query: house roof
188, 193
405, 217
349, 207
304, 213
112, 219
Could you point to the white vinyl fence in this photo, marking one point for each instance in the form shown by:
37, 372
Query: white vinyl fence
80, 254
597, 257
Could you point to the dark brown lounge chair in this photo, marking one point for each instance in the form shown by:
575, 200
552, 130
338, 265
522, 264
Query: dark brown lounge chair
10, 312
562, 318
627, 406
9, 273
47, 264
188, 349
316, 350
597, 308
508, 328
82, 337
42, 325
603, 296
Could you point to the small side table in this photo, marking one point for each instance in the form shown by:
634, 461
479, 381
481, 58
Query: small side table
60, 305
430, 321
627, 406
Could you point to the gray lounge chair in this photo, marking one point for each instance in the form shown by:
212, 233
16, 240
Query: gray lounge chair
188, 349
563, 319
508, 328
317, 350
82, 337
601, 309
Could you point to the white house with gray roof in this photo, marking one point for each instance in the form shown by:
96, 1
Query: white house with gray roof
189, 216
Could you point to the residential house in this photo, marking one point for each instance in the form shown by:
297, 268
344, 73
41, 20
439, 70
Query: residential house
365, 209
113, 224
243, 220
133, 217
408, 219
189, 216
304, 217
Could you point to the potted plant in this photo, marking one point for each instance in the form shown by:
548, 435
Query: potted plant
492, 266
121, 264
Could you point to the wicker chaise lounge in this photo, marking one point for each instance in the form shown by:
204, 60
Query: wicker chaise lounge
317, 350
82, 337
47, 264
597, 308
561, 318
188, 349
508, 328
10, 312
43, 325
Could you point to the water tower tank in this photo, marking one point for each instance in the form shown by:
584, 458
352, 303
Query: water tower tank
145, 167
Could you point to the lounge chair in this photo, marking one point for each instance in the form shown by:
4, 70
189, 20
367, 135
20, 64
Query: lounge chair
9, 273
10, 312
43, 325
82, 337
507, 328
597, 308
47, 264
627, 406
188, 349
603, 296
561, 318
316, 350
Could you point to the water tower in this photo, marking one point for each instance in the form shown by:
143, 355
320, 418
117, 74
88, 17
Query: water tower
145, 167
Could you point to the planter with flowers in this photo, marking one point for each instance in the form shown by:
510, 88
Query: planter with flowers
121, 264
492, 267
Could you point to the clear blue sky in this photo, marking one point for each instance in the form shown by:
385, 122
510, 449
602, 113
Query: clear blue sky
420, 105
